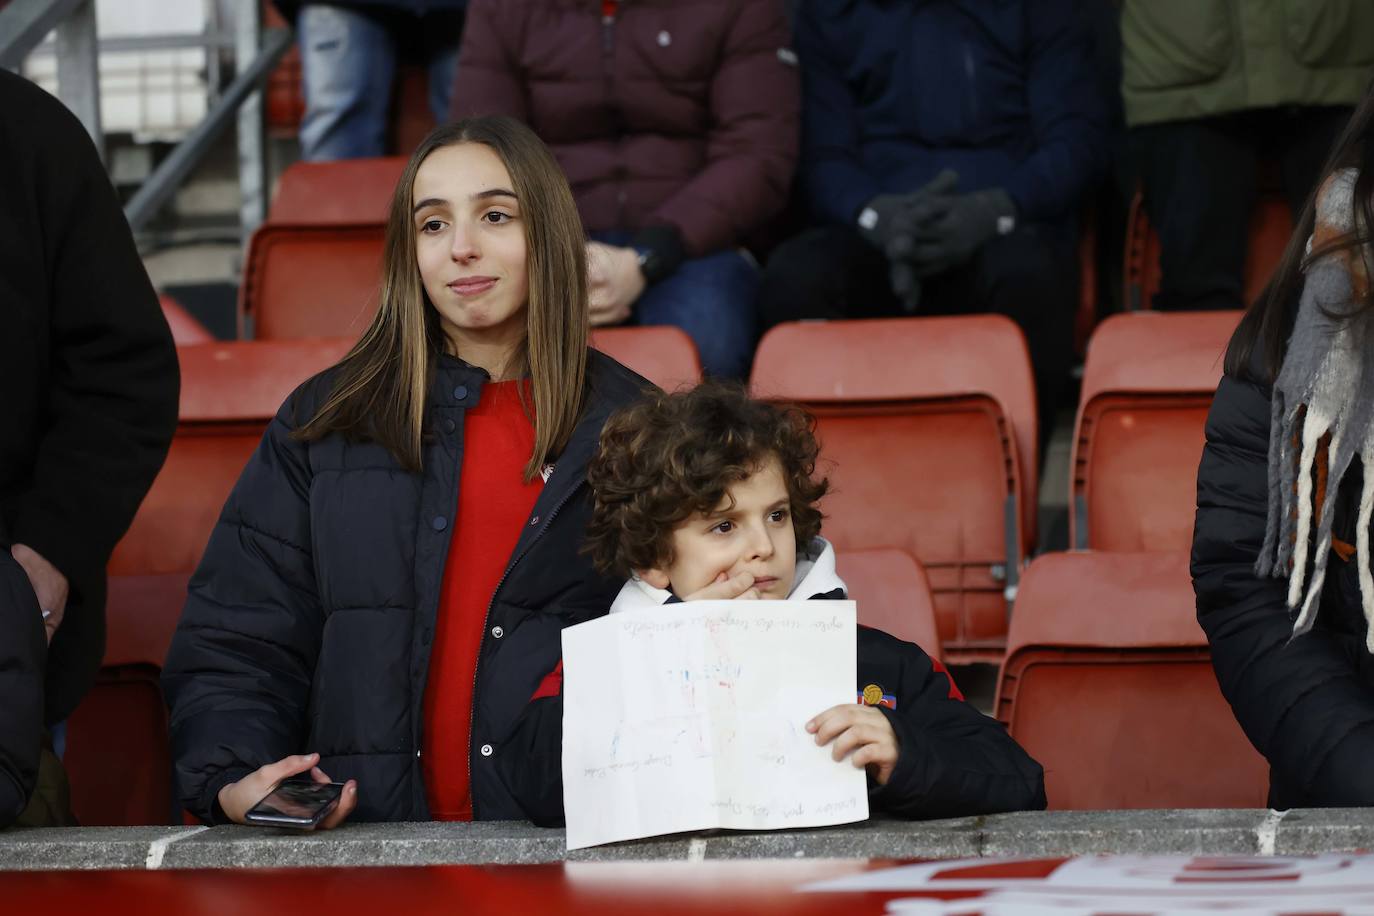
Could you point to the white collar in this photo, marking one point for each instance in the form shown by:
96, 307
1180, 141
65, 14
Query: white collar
815, 575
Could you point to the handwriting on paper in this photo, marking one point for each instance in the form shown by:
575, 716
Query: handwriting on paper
691, 716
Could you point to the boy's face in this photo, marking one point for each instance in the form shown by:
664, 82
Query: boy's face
753, 535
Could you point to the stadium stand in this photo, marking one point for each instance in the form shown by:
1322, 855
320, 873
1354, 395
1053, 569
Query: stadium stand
1270, 226
117, 752
927, 427
1147, 387
1108, 683
892, 594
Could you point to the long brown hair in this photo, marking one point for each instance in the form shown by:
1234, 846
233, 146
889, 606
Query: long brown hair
1264, 330
380, 388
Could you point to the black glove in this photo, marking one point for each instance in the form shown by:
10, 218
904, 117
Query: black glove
889, 215
952, 237
889, 222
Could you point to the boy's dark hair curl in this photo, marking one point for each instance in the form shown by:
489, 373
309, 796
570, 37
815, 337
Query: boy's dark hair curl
669, 456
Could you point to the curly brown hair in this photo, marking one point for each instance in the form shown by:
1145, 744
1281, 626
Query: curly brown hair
669, 456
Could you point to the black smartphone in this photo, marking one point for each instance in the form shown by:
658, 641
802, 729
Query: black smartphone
296, 803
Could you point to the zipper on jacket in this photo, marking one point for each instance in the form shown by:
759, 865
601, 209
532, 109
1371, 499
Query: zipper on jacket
970, 79
486, 619
610, 10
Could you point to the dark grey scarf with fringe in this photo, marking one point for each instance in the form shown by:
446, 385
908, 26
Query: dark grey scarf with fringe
1323, 417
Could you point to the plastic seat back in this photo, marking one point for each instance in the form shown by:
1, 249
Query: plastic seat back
664, 355
1147, 387
313, 268
892, 594
310, 281
1108, 683
118, 756
927, 429
347, 192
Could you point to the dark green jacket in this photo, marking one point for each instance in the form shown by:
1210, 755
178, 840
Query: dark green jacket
1185, 59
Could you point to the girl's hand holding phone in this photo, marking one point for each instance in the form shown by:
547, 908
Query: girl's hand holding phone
237, 797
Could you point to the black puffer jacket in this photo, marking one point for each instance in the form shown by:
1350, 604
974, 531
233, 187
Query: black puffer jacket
309, 621
1307, 705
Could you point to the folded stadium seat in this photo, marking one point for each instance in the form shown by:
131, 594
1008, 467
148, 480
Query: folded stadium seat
1108, 683
663, 354
1270, 226
892, 594
313, 267
117, 739
927, 429
1147, 387
343, 193
186, 329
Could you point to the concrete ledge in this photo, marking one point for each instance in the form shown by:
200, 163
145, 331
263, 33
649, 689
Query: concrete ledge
1045, 833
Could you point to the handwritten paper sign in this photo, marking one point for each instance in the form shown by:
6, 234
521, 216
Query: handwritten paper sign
692, 716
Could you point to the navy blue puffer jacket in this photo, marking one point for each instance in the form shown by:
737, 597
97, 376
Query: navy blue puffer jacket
309, 622
1005, 92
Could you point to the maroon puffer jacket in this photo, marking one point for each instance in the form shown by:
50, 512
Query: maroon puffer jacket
671, 112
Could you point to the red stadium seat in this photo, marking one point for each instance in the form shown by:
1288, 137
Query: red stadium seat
303, 281
1108, 683
1270, 226
347, 192
1147, 387
117, 752
927, 428
664, 355
186, 330
314, 267
892, 594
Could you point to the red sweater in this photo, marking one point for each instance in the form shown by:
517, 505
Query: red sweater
493, 503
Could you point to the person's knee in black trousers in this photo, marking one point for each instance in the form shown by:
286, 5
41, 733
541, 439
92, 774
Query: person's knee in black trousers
1031, 276
825, 273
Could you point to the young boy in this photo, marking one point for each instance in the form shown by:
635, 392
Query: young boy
710, 494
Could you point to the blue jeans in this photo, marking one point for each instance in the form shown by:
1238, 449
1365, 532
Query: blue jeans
348, 61
712, 298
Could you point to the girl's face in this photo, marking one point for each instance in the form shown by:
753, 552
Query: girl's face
470, 246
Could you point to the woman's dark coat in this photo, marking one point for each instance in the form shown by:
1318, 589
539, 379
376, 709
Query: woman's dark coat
88, 371
309, 622
1306, 704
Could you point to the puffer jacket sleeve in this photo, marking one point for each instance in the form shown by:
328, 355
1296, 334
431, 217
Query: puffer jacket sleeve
239, 671
532, 767
1302, 703
1069, 113
488, 79
752, 138
953, 760
836, 181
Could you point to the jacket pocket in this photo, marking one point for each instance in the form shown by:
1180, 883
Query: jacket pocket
1329, 33
1171, 43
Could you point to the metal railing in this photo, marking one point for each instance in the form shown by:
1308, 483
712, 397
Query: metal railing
24, 24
